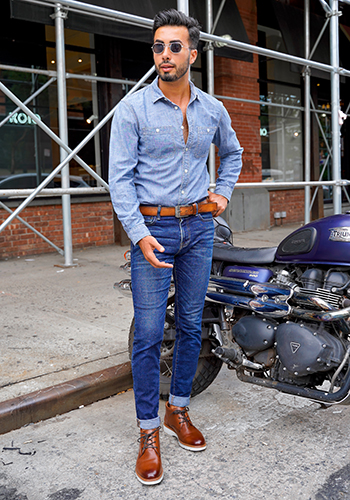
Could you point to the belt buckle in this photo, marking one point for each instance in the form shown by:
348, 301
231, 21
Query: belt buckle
178, 211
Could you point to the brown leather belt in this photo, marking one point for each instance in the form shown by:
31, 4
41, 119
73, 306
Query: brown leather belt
179, 210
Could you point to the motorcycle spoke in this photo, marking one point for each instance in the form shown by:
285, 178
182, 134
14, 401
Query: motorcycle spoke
169, 369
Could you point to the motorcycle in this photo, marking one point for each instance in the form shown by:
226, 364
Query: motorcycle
278, 316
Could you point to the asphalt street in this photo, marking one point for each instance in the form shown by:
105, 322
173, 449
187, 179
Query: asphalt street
60, 323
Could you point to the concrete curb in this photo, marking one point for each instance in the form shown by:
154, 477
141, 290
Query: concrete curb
61, 398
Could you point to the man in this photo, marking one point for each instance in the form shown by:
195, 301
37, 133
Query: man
160, 141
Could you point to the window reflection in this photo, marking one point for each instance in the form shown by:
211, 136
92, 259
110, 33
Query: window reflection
281, 125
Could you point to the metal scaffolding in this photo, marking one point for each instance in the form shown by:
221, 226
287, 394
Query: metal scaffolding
60, 11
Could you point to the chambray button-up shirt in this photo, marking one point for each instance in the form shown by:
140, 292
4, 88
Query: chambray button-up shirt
150, 163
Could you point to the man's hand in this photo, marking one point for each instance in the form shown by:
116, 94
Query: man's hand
148, 244
220, 200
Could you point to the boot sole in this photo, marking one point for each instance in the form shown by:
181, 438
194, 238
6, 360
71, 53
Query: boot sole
170, 432
150, 482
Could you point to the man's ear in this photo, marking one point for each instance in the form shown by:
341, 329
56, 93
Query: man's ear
193, 56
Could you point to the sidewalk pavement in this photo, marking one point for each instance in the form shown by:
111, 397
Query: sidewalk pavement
62, 323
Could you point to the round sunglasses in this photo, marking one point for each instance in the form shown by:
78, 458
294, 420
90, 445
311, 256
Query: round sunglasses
175, 47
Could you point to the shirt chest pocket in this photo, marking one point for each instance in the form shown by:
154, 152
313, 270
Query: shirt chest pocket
203, 140
158, 142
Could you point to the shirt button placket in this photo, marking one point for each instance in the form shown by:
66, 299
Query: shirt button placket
185, 170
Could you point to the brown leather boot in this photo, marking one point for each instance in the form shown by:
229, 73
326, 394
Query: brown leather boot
149, 468
177, 423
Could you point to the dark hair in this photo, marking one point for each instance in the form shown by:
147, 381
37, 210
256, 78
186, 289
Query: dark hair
173, 17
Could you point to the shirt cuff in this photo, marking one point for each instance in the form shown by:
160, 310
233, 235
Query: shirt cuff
138, 232
224, 191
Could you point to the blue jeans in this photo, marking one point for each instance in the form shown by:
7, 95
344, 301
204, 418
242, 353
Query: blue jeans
188, 244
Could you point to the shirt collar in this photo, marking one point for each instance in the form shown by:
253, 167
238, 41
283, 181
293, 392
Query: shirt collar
158, 94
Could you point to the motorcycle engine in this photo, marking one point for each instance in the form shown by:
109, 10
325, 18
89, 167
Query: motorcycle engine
254, 334
332, 286
302, 349
307, 349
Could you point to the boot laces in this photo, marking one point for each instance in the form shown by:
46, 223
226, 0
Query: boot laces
183, 416
149, 440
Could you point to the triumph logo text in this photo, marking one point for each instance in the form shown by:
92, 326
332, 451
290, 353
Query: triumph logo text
340, 234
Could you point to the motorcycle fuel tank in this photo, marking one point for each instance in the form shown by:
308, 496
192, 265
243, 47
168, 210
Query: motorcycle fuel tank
324, 241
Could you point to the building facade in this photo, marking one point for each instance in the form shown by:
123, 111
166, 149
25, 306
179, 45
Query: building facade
264, 96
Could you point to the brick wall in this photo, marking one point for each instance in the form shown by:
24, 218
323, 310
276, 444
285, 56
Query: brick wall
240, 79
290, 201
92, 225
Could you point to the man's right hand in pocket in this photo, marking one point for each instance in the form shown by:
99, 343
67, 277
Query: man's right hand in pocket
148, 244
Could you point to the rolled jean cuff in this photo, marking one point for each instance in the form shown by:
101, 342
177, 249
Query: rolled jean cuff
152, 423
179, 401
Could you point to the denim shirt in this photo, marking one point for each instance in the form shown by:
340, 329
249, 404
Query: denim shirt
150, 163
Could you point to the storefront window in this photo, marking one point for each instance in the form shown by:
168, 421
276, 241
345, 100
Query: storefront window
25, 148
27, 151
281, 126
281, 135
82, 104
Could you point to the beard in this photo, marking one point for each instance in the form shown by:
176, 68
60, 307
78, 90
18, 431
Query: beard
179, 72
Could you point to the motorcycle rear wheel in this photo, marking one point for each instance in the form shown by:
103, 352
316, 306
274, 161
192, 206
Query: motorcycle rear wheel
208, 364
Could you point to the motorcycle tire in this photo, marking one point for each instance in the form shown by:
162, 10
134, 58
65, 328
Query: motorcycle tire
208, 364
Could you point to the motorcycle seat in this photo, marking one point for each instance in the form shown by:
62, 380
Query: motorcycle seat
241, 255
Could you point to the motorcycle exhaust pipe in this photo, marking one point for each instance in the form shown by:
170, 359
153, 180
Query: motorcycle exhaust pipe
322, 304
263, 305
273, 308
336, 315
342, 396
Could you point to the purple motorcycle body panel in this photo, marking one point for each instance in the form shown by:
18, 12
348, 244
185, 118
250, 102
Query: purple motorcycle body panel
324, 241
256, 274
